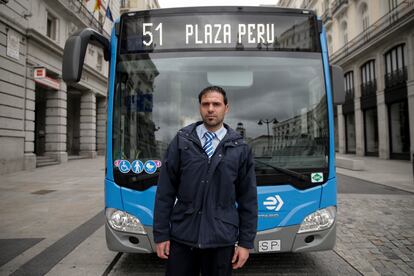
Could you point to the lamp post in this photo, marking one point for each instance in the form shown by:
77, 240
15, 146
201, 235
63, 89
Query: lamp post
267, 122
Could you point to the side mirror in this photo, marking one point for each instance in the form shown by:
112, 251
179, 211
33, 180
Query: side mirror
75, 49
337, 84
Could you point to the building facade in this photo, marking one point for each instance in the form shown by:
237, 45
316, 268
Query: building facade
136, 5
42, 119
373, 41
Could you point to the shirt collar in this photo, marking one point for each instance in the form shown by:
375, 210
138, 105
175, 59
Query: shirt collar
220, 133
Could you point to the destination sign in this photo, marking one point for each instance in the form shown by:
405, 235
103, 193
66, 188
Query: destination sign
218, 32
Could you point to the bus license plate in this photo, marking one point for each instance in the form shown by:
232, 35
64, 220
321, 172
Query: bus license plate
269, 245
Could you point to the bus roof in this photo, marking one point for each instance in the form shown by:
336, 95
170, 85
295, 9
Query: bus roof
220, 9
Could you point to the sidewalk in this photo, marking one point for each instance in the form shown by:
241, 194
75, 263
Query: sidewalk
41, 207
393, 173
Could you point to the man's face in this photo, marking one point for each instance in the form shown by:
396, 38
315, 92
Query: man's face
213, 109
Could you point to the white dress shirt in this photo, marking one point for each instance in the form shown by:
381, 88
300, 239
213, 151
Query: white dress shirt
220, 133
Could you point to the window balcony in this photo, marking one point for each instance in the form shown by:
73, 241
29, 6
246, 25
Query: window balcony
349, 96
339, 6
369, 89
396, 77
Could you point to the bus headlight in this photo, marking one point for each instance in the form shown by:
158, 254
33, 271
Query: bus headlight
122, 221
319, 220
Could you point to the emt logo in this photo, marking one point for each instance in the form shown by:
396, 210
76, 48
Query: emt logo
273, 203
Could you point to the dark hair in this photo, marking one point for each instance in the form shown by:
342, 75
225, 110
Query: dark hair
213, 89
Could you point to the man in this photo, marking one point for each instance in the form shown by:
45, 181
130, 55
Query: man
206, 200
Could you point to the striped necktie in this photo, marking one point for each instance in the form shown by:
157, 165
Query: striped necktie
208, 146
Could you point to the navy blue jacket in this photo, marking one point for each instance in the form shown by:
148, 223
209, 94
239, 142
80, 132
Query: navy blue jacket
216, 199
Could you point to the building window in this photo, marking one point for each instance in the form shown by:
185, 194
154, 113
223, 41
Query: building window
99, 62
392, 4
399, 130
330, 46
368, 81
349, 86
365, 20
90, 50
368, 72
350, 133
72, 28
325, 5
395, 70
364, 16
349, 80
51, 26
124, 4
344, 28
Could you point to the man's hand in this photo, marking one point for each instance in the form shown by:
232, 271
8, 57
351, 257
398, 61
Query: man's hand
240, 257
163, 249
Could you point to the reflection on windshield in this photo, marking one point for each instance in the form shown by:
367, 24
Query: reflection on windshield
277, 103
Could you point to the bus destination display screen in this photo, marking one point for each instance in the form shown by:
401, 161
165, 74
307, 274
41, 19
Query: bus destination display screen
218, 32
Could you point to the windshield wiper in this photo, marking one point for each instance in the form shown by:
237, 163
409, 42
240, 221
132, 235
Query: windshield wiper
288, 172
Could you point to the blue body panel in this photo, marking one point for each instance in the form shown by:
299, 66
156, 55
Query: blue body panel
328, 88
111, 89
297, 204
113, 197
140, 204
328, 196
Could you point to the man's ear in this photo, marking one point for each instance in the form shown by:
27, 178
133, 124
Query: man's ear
227, 108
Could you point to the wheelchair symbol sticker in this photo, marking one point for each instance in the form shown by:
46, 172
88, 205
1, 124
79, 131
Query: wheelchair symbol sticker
150, 167
124, 166
137, 166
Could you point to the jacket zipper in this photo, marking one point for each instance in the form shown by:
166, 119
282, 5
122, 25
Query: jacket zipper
198, 143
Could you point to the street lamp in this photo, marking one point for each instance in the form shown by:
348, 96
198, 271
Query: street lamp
267, 122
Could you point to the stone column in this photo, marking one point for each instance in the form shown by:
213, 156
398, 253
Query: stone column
56, 111
410, 92
359, 128
29, 124
383, 127
101, 125
88, 124
410, 89
382, 111
341, 130
359, 115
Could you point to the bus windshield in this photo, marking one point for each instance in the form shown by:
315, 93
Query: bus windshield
277, 103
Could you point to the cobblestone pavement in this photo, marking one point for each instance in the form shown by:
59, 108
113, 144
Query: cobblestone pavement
376, 233
315, 263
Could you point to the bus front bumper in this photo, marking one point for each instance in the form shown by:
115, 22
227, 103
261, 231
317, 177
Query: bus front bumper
129, 242
288, 237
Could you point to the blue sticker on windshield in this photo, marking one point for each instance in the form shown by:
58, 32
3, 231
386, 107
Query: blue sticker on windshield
150, 167
124, 166
137, 166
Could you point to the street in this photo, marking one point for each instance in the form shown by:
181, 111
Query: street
53, 224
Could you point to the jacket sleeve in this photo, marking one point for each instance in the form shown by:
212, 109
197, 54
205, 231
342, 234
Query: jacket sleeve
166, 192
247, 202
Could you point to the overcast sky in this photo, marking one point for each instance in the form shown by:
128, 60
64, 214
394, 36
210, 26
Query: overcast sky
192, 3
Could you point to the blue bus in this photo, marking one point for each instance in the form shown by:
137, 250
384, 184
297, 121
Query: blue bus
273, 63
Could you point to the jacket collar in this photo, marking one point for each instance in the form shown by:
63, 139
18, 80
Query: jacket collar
190, 130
